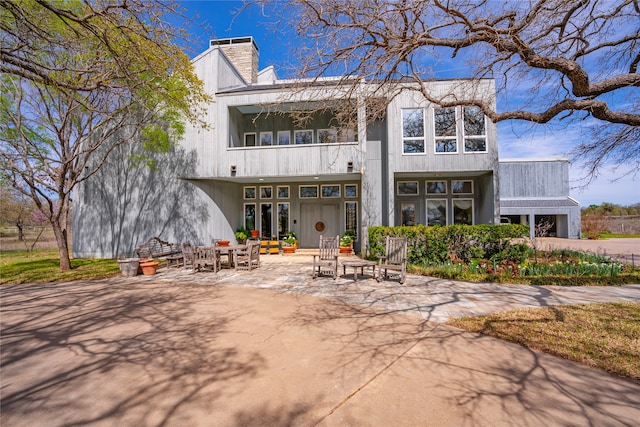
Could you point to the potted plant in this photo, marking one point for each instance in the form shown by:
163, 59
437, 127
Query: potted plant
241, 235
346, 242
289, 243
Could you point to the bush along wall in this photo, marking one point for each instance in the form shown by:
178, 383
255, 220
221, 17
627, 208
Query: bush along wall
455, 242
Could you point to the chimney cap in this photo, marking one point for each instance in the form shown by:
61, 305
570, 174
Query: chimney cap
234, 40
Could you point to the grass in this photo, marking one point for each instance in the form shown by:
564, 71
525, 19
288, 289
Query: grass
604, 336
43, 265
608, 235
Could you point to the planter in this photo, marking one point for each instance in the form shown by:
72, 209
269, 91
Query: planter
288, 249
254, 234
345, 249
149, 268
129, 266
223, 243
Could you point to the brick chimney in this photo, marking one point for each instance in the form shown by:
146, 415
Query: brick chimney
243, 54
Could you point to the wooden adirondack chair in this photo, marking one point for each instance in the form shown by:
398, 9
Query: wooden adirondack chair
395, 258
328, 256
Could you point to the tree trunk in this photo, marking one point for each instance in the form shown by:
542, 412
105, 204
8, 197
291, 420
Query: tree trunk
63, 245
20, 231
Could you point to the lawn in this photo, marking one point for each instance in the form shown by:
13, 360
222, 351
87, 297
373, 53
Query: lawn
43, 265
604, 336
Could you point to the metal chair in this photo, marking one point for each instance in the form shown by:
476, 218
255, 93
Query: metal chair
328, 256
395, 257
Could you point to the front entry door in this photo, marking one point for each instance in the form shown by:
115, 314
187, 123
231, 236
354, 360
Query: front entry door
318, 219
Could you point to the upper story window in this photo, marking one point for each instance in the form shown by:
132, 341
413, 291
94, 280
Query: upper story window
475, 134
413, 141
444, 124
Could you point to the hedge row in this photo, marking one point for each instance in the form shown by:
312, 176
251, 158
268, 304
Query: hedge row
454, 242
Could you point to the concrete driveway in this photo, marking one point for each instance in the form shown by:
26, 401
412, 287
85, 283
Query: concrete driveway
179, 349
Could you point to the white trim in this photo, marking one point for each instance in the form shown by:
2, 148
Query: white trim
437, 138
414, 138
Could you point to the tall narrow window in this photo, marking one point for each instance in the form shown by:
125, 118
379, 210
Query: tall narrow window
250, 216
408, 214
266, 210
351, 217
413, 131
475, 136
283, 220
463, 211
446, 137
436, 211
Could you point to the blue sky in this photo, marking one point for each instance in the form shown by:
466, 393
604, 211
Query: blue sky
516, 139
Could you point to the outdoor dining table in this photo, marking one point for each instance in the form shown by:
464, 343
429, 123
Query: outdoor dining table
229, 250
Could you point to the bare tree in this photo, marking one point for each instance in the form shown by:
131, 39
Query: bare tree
77, 76
577, 59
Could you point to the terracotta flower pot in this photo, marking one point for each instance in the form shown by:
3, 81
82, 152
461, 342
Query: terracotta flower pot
288, 249
345, 249
254, 234
149, 268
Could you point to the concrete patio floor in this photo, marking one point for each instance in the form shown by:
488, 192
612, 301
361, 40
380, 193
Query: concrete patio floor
274, 347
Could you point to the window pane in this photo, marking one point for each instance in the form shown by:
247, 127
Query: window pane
406, 188
408, 214
412, 123
445, 121
265, 192
283, 192
413, 146
284, 138
436, 212
283, 220
327, 136
463, 211
308, 191
446, 145
351, 217
462, 187
249, 192
250, 217
265, 217
249, 139
330, 191
266, 138
304, 136
475, 144
473, 121
436, 187
350, 191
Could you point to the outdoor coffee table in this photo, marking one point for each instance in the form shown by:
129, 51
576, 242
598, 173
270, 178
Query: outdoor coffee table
359, 264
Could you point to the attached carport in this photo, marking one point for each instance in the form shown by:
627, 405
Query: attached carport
562, 213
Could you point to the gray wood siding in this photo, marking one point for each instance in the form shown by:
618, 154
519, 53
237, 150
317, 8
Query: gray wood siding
534, 178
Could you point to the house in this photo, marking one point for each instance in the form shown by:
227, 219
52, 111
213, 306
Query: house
282, 155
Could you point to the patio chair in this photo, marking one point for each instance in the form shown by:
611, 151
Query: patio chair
206, 258
188, 252
246, 259
395, 258
328, 256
